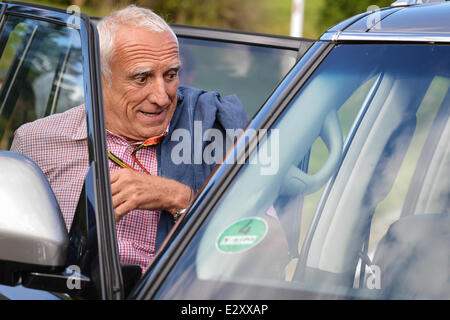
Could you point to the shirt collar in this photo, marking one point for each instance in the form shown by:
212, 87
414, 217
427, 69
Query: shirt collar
121, 139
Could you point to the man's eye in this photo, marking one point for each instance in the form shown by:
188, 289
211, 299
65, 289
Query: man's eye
141, 79
172, 75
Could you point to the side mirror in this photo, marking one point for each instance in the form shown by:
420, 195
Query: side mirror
32, 229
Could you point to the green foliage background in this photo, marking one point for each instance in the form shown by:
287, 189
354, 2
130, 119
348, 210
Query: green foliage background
266, 16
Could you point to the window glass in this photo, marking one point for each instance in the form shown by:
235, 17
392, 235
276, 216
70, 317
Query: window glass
40, 73
380, 230
12, 45
249, 71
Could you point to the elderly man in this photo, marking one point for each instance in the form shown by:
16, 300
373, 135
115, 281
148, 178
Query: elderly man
143, 107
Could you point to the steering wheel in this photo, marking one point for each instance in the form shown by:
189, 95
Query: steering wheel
296, 181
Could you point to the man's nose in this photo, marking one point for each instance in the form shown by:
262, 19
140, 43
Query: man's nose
158, 93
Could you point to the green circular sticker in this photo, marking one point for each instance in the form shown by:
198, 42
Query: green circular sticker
242, 235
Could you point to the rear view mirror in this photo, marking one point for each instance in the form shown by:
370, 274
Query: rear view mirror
32, 229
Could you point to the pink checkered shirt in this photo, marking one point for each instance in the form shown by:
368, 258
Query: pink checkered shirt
58, 144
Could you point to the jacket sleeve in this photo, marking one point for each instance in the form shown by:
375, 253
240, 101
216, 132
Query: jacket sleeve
227, 112
230, 112
222, 114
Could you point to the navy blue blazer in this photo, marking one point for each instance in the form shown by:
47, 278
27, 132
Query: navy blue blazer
195, 109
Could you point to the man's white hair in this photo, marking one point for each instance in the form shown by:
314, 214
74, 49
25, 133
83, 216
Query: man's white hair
130, 16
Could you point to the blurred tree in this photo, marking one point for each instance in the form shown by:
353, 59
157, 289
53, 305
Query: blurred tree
230, 14
56, 3
250, 15
334, 11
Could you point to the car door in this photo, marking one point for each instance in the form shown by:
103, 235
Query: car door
49, 63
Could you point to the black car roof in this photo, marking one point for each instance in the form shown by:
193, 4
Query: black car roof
427, 20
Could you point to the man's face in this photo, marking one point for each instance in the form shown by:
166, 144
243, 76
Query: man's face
142, 96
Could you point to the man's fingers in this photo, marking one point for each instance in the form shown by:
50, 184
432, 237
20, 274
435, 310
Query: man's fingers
129, 191
115, 188
118, 198
122, 210
116, 181
123, 201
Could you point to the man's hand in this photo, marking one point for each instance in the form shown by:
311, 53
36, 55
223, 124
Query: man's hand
135, 190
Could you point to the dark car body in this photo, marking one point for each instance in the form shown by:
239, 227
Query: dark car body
364, 214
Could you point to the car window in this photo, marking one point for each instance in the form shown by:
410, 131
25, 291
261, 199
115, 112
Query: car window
390, 180
40, 73
249, 71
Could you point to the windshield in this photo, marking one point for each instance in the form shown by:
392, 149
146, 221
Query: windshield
368, 217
